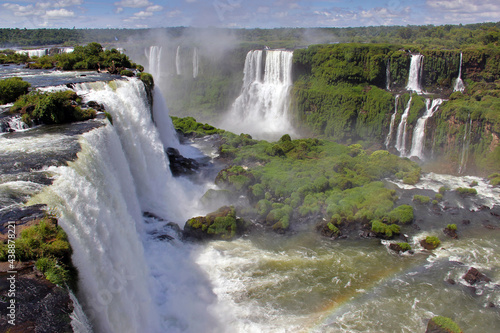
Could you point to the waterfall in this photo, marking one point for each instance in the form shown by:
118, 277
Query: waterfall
178, 60
464, 157
388, 75
261, 109
154, 59
418, 141
195, 62
401, 134
459, 84
415, 75
393, 119
130, 279
34, 53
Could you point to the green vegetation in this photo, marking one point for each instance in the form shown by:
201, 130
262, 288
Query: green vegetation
431, 242
11, 89
445, 324
388, 230
404, 246
464, 191
438, 197
51, 108
188, 126
307, 178
494, 179
451, 227
222, 224
421, 199
46, 243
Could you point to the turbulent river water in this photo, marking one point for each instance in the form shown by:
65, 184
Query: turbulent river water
116, 196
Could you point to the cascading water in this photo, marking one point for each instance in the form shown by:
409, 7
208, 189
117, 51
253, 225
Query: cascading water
195, 62
393, 119
464, 156
401, 133
154, 60
262, 107
418, 141
130, 279
388, 75
459, 84
178, 60
415, 74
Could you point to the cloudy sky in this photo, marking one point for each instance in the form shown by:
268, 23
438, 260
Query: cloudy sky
242, 13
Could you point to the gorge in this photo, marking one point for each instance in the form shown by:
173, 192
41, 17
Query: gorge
138, 274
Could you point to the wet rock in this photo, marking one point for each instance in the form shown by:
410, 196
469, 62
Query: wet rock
451, 233
96, 106
473, 276
41, 306
180, 165
465, 222
451, 281
221, 224
495, 211
396, 247
441, 324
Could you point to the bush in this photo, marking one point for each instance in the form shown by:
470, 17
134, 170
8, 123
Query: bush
445, 324
51, 108
422, 199
431, 242
386, 230
402, 214
127, 72
12, 88
464, 191
404, 246
451, 227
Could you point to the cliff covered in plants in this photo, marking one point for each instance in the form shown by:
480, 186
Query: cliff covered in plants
358, 93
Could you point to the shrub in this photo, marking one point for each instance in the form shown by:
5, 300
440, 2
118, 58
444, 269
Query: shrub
443, 189
12, 88
451, 227
51, 107
127, 72
402, 214
422, 199
464, 191
404, 246
388, 231
432, 242
445, 324
438, 196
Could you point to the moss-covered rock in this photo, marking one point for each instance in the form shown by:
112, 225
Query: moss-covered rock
440, 324
430, 242
221, 224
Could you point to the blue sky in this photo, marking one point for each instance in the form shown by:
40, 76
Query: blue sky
242, 13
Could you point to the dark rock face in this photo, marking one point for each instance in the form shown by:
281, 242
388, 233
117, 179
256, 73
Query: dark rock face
473, 276
451, 233
180, 165
41, 306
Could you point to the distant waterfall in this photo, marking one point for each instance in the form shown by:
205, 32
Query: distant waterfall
401, 134
418, 141
388, 75
178, 60
459, 84
154, 60
464, 156
130, 279
393, 119
262, 107
415, 75
195, 62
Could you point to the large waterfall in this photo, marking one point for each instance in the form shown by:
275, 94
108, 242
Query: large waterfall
114, 203
153, 54
418, 140
415, 75
262, 107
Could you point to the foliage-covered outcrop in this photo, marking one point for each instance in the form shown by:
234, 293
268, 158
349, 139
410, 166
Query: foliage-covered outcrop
51, 107
11, 89
313, 180
45, 243
221, 224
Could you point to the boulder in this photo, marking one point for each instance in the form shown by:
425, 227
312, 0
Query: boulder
441, 324
180, 165
473, 276
221, 224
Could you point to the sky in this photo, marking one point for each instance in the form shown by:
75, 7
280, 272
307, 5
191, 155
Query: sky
33, 14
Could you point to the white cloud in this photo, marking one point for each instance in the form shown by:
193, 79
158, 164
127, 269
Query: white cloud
460, 11
59, 13
133, 3
173, 13
155, 8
